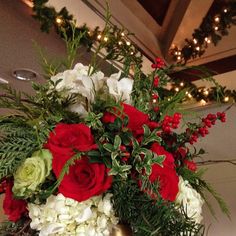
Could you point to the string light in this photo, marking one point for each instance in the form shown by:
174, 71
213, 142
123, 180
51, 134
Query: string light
226, 99
190, 95
217, 19
216, 28
120, 43
99, 36
177, 89
178, 58
128, 43
206, 92
89, 33
122, 34
154, 100
194, 41
105, 39
198, 48
176, 53
203, 102
181, 84
131, 53
225, 10
179, 53
58, 20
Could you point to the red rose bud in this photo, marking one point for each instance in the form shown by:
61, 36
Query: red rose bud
191, 165
13, 208
182, 151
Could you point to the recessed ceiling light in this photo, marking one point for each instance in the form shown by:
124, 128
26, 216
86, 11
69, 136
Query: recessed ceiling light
24, 74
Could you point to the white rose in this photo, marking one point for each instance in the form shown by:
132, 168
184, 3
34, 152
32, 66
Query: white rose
190, 199
78, 81
120, 89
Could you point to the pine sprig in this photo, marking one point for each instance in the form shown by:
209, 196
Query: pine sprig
16, 144
147, 217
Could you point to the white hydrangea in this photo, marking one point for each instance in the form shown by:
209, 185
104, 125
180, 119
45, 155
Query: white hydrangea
190, 199
120, 89
65, 216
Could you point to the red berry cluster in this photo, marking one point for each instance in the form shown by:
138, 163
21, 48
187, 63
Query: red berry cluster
207, 122
159, 63
221, 116
171, 122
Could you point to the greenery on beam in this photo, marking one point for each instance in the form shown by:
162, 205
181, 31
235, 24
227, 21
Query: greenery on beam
211, 30
115, 41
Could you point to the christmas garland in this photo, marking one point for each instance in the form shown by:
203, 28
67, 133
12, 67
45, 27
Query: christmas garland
212, 29
119, 48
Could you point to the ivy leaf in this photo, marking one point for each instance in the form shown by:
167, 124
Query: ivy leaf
109, 147
147, 131
117, 142
158, 159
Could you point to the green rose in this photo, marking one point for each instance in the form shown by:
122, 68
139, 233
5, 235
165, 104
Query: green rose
32, 173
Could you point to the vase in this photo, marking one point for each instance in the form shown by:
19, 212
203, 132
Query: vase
122, 230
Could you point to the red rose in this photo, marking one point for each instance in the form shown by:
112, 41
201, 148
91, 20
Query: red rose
12, 207
84, 179
108, 118
166, 175
136, 119
159, 150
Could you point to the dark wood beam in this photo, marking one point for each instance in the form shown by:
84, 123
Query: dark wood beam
218, 67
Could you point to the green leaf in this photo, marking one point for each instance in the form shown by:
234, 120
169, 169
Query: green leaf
117, 142
109, 147
147, 131
158, 159
94, 153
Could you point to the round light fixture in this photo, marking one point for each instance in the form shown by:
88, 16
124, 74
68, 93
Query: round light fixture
24, 74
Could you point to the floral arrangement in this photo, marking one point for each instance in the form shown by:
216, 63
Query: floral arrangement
89, 151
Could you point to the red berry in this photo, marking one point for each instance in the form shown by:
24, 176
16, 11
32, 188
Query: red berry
174, 125
154, 96
156, 82
122, 148
154, 66
156, 109
223, 119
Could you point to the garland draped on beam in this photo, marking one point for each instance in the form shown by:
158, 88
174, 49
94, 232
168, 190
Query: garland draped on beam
115, 41
119, 48
212, 29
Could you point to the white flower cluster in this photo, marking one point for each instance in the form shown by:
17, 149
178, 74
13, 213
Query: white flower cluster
65, 216
190, 199
79, 82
